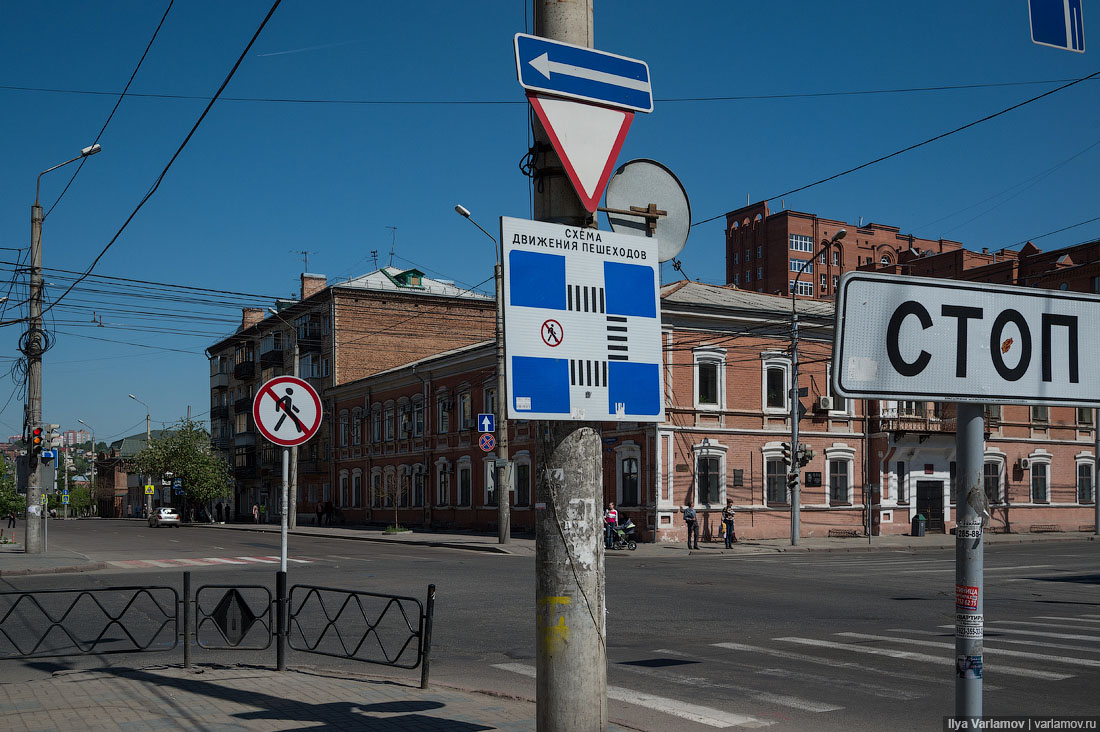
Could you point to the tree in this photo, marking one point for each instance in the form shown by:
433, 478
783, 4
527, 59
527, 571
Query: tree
10, 501
186, 453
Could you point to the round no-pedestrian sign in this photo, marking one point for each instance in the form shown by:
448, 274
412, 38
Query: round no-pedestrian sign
287, 411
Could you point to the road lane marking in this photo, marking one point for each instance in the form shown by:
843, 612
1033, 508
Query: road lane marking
1047, 625
988, 650
261, 560
999, 639
191, 562
692, 712
922, 657
1055, 617
1064, 636
224, 561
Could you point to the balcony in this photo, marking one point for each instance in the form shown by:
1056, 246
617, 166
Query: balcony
219, 412
220, 443
243, 404
311, 467
244, 370
242, 439
271, 358
219, 381
313, 344
925, 420
246, 472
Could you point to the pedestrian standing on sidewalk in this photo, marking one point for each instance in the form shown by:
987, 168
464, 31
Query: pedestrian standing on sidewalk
692, 526
11, 519
320, 511
255, 513
610, 521
727, 518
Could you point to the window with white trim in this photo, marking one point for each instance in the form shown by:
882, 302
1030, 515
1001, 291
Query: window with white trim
759, 273
418, 486
356, 428
404, 486
344, 429
489, 400
376, 425
465, 411
345, 499
357, 488
388, 421
841, 461
710, 473
418, 417
804, 287
442, 483
443, 407
1040, 488
1085, 488
465, 483
992, 478
903, 482
796, 265
628, 490
710, 372
522, 478
776, 385
775, 481
490, 481
389, 486
801, 243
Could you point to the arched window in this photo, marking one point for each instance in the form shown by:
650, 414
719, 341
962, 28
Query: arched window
628, 488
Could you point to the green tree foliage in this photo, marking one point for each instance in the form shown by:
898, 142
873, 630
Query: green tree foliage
9, 499
184, 450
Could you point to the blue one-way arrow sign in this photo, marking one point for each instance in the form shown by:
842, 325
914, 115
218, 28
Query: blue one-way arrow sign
577, 72
486, 423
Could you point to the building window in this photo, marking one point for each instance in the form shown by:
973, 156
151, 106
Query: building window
1084, 482
776, 482
490, 482
991, 480
737, 278
801, 243
465, 412
709, 377
838, 481
1040, 413
903, 483
748, 277
775, 385
523, 484
357, 490
733, 258
404, 421
389, 423
376, 426
357, 429
418, 418
836, 258
748, 255
708, 479
796, 265
443, 485
953, 481
390, 492
804, 287
464, 485
490, 400
443, 415
404, 487
1039, 488
1084, 416
418, 488
836, 282
628, 479
759, 252
992, 413
824, 283
885, 259
344, 497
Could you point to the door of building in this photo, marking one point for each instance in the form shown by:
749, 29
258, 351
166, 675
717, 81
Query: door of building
930, 504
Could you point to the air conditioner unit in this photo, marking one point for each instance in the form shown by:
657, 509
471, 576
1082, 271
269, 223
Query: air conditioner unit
824, 403
1024, 463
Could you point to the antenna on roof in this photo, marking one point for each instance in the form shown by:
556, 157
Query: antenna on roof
374, 256
393, 243
305, 258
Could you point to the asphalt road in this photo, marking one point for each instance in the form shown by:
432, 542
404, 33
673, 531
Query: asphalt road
791, 641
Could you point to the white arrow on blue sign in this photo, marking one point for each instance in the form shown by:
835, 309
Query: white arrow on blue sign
1057, 23
583, 73
486, 423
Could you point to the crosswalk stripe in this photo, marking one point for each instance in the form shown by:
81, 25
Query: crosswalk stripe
988, 650
157, 563
1064, 636
1047, 625
192, 562
693, 712
1055, 617
262, 560
1014, 641
923, 657
224, 561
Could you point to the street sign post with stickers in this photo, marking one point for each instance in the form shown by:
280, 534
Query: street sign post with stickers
919, 338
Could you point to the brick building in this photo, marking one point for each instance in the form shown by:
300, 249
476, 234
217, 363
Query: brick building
344, 332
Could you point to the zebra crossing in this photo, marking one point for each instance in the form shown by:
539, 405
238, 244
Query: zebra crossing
829, 671
187, 563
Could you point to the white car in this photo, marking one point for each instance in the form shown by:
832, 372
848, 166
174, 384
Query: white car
164, 517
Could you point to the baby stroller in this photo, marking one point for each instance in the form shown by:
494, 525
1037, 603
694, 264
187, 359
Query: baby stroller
622, 536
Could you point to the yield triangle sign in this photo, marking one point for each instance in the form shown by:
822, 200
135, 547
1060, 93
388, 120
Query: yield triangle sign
587, 138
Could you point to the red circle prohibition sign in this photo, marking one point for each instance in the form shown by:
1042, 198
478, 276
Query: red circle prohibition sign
287, 411
552, 333
487, 442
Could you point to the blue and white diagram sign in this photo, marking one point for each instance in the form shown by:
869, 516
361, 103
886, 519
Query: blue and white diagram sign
1057, 23
582, 73
582, 324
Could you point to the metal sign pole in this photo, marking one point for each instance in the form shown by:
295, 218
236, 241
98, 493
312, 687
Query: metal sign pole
969, 561
283, 506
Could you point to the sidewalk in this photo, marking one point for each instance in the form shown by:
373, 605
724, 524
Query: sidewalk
251, 698
13, 562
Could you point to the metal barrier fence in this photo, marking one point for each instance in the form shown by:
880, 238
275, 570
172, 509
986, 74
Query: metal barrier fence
361, 626
52, 623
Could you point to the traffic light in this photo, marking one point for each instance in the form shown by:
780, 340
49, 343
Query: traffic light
805, 455
34, 447
787, 453
54, 437
792, 480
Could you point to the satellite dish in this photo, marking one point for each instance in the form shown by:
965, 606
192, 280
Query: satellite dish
635, 186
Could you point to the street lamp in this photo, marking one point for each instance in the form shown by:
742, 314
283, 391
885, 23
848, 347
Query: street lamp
792, 479
148, 440
35, 542
95, 469
291, 510
503, 498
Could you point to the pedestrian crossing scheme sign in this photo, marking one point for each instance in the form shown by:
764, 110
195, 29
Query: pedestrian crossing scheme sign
582, 323
287, 411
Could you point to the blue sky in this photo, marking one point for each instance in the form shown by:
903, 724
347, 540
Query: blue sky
448, 124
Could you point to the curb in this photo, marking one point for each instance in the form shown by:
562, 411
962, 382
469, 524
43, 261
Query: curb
89, 567
491, 548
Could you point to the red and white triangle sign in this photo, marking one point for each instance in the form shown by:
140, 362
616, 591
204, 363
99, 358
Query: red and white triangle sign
587, 138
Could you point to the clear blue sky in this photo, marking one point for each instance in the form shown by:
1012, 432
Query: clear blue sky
260, 179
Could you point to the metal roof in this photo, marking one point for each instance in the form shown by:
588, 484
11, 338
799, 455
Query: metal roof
733, 298
384, 279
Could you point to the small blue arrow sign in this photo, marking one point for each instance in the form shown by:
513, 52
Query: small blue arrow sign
1057, 23
582, 73
486, 423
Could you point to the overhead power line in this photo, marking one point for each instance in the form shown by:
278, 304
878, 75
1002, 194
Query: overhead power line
114, 109
167, 167
916, 145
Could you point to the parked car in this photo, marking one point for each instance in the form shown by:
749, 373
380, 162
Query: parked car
164, 517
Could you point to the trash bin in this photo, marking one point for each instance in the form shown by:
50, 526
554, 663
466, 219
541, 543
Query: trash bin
918, 525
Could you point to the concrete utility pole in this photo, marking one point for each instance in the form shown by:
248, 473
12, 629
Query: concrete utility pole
34, 541
570, 641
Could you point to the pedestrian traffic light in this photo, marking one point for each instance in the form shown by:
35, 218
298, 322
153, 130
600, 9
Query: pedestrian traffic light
54, 436
805, 455
792, 480
787, 453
